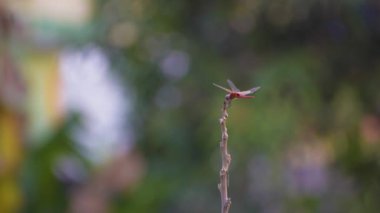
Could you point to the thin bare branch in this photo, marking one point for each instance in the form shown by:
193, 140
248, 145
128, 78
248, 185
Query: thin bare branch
226, 159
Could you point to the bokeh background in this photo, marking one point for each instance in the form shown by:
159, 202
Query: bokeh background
108, 106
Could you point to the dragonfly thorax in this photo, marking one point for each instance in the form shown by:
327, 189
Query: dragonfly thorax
233, 95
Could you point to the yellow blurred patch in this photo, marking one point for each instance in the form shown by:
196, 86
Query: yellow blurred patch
10, 143
10, 195
10, 158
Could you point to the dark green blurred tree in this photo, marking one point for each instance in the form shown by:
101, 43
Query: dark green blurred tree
305, 55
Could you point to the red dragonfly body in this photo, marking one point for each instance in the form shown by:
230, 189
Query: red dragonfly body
234, 92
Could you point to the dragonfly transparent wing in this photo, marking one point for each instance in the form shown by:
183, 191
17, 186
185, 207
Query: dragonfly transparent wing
251, 91
225, 89
232, 85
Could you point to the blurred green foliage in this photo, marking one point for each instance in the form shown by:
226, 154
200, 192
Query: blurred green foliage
45, 188
308, 142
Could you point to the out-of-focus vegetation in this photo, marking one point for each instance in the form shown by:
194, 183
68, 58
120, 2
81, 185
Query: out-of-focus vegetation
308, 142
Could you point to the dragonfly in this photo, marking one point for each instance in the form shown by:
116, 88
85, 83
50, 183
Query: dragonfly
234, 92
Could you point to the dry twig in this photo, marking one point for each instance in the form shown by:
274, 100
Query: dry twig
226, 158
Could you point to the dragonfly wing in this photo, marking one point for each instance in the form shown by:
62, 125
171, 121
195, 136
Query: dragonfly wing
225, 89
232, 86
251, 91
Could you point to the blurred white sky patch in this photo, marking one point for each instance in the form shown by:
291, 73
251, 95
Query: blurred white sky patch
88, 87
72, 12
